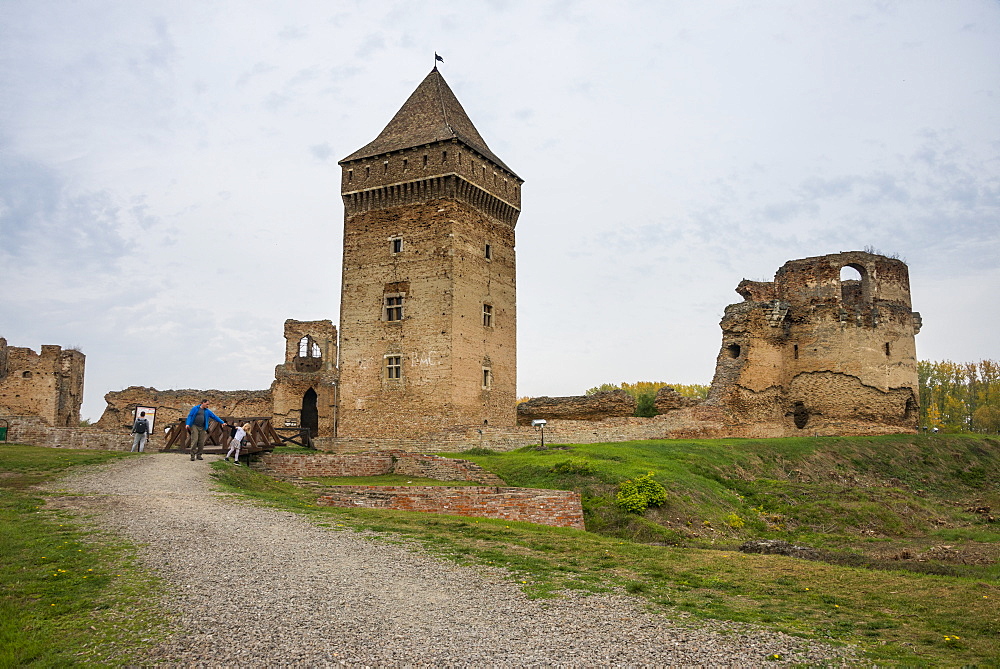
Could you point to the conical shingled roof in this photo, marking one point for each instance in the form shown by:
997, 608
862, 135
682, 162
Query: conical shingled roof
432, 113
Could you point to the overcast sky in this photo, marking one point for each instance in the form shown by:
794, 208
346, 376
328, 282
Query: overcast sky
169, 188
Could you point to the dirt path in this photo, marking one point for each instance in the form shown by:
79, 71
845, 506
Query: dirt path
260, 587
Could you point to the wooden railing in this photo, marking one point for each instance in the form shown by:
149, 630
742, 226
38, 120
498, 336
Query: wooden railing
260, 436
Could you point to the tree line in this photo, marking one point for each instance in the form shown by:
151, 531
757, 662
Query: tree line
960, 396
954, 396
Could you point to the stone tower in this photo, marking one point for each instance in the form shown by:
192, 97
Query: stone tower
818, 352
427, 308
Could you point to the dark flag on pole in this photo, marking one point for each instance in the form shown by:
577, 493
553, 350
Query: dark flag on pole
437, 58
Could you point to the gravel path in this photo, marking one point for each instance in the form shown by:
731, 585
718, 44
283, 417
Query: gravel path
319, 598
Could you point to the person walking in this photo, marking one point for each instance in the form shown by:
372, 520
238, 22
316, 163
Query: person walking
237, 442
197, 424
140, 433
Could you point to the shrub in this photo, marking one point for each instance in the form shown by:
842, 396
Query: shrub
573, 466
636, 495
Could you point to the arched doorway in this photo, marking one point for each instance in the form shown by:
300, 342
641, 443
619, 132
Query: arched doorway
310, 414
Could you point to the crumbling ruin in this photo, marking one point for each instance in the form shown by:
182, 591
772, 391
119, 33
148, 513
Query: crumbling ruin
174, 405
48, 385
304, 392
816, 351
599, 406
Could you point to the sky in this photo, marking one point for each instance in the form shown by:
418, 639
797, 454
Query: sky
169, 187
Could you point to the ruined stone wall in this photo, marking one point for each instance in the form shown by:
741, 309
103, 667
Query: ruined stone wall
47, 384
810, 351
444, 278
558, 508
607, 404
35, 431
310, 364
173, 405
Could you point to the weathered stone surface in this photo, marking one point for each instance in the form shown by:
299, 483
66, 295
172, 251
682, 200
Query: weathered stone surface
810, 351
668, 399
173, 405
48, 385
304, 392
428, 307
598, 406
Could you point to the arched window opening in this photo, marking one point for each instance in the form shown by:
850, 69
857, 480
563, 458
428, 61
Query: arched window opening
853, 285
310, 358
308, 348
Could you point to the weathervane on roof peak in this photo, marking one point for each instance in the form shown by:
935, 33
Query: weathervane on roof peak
436, 59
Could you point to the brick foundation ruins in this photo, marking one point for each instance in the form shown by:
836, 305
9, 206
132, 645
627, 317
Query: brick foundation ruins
559, 508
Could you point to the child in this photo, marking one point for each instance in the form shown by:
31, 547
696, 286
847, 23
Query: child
237, 441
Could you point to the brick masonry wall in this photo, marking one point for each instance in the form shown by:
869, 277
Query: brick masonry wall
375, 464
36, 432
558, 508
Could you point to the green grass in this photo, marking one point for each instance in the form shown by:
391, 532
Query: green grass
831, 492
852, 497
69, 596
898, 617
386, 480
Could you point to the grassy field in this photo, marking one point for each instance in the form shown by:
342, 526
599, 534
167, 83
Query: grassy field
69, 595
907, 570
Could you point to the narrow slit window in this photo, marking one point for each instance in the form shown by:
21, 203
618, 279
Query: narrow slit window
394, 367
425, 160
487, 378
795, 351
350, 175
406, 164
444, 156
887, 353
488, 315
489, 252
385, 167
368, 172
396, 245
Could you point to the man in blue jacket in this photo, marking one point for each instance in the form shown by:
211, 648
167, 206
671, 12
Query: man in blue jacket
197, 426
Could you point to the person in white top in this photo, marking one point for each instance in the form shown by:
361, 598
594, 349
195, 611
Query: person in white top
237, 441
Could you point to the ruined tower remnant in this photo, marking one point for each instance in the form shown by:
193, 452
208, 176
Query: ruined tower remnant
304, 388
48, 385
427, 310
817, 351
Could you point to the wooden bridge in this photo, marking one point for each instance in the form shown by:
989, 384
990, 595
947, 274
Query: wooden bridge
261, 436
